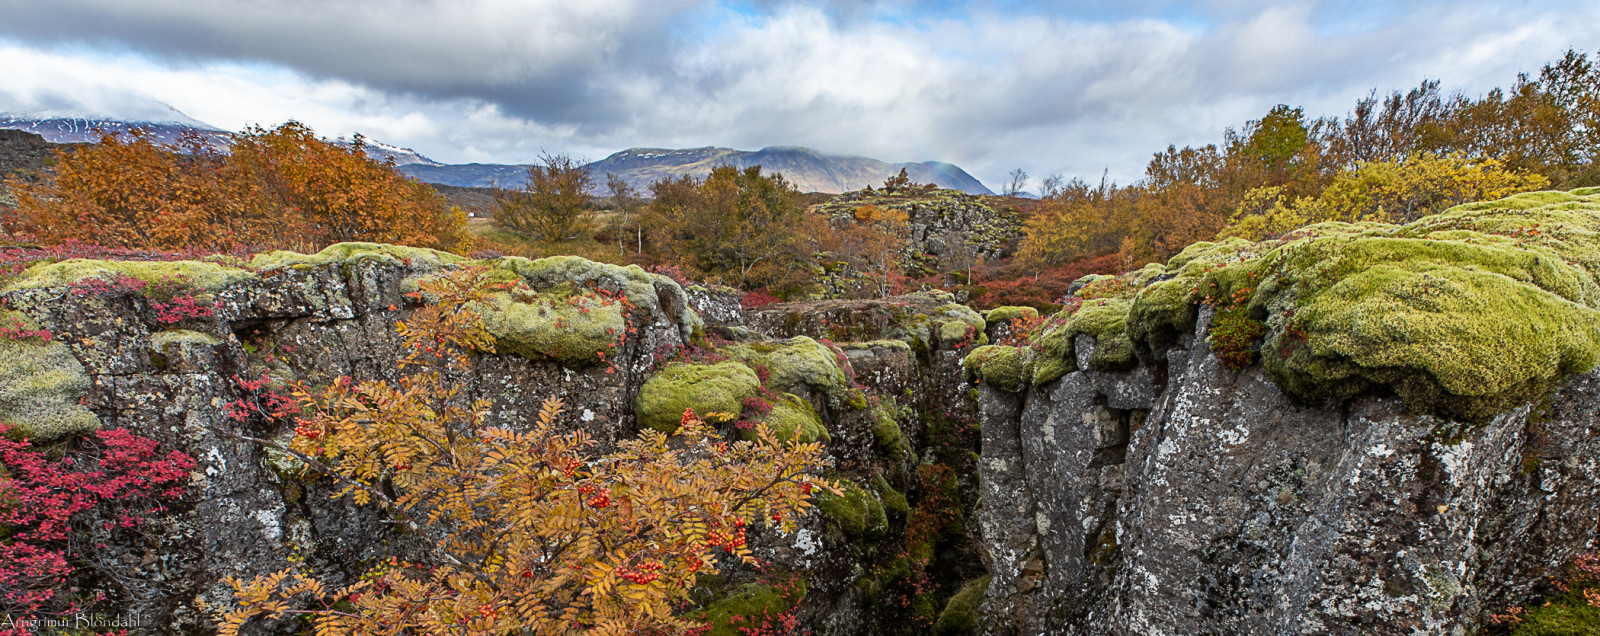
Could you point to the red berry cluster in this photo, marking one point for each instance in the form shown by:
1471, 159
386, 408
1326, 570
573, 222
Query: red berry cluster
642, 575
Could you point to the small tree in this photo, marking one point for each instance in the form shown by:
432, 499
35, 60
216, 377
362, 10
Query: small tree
1019, 181
625, 200
534, 536
897, 183
553, 205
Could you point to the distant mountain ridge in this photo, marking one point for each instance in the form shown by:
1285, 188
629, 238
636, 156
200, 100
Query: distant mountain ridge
807, 169
71, 129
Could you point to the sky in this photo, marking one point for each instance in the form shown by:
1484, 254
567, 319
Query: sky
1074, 88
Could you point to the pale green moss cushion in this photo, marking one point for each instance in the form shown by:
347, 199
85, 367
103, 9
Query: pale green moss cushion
1463, 314
705, 388
40, 388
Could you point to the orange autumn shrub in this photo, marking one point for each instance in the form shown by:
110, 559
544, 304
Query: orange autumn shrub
534, 534
281, 188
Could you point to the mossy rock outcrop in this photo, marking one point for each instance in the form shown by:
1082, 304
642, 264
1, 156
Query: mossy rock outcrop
1463, 314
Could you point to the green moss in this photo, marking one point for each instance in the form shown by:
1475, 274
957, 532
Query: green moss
792, 418
352, 253
1233, 336
960, 615
1007, 314
957, 321
886, 435
899, 345
643, 289
706, 388
572, 330
179, 337
1564, 618
856, 512
798, 365
40, 387
894, 501
206, 277
1463, 314
1009, 369
752, 604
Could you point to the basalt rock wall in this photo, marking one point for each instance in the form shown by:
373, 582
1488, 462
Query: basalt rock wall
1181, 497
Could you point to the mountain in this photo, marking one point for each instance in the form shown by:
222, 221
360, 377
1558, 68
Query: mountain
166, 128
807, 169
62, 128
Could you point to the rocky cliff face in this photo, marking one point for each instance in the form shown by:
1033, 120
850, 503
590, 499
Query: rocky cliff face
1359, 429
1182, 497
119, 357
1354, 429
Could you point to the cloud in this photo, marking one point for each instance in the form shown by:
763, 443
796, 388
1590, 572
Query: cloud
1068, 87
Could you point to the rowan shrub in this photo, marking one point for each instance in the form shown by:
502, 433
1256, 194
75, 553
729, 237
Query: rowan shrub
536, 534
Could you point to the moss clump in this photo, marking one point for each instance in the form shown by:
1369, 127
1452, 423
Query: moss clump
180, 337
1566, 618
575, 330
1009, 369
957, 322
1233, 336
798, 365
1007, 314
753, 605
201, 276
706, 388
643, 290
856, 511
886, 435
792, 418
353, 253
894, 501
898, 345
1463, 314
40, 387
960, 615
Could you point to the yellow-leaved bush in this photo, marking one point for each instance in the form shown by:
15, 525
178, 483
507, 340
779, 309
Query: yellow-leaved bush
535, 534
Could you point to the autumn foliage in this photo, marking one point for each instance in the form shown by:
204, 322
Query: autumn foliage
535, 534
281, 188
49, 497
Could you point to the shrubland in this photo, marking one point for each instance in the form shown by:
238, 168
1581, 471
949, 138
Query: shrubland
281, 188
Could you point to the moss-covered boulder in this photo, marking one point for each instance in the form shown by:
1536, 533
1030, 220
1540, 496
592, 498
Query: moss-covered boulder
1463, 314
706, 388
798, 365
1009, 369
41, 385
792, 418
